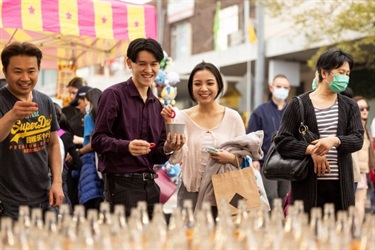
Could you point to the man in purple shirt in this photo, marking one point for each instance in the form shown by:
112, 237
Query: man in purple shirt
130, 134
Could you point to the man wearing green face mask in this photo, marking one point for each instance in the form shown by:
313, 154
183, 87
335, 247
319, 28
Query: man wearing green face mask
336, 119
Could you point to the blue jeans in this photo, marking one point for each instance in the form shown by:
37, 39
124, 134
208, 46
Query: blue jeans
11, 210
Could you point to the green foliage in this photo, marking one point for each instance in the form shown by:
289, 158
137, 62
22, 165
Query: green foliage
333, 20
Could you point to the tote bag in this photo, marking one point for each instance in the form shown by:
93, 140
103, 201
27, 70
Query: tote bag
234, 186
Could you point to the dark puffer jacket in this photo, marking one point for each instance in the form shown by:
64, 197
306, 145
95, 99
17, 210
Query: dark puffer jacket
90, 185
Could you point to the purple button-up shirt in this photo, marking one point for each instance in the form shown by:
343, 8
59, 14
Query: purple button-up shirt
123, 117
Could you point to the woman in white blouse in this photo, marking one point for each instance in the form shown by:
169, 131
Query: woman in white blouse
207, 124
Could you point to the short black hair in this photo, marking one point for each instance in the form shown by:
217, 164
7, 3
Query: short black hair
17, 49
147, 44
205, 66
333, 59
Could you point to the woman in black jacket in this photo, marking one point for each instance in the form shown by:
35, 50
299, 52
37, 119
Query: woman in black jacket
336, 120
71, 162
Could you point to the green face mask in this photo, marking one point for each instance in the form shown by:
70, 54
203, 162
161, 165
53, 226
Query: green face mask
339, 84
313, 84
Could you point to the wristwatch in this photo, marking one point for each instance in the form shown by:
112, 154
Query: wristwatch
169, 153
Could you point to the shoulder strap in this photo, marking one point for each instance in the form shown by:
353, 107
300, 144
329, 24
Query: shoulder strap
302, 111
60, 132
302, 128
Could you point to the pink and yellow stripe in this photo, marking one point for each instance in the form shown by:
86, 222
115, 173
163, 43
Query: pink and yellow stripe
108, 19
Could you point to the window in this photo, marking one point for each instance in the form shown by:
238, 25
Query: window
228, 24
181, 40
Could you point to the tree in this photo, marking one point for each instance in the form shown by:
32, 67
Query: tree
332, 20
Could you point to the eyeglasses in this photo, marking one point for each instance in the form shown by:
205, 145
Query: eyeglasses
363, 108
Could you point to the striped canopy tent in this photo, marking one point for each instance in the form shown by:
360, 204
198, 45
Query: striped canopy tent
75, 32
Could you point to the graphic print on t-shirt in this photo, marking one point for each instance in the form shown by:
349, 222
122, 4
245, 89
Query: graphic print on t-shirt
30, 134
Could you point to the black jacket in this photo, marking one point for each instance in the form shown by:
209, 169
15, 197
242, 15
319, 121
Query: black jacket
349, 131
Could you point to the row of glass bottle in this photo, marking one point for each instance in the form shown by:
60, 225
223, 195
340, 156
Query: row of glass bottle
254, 229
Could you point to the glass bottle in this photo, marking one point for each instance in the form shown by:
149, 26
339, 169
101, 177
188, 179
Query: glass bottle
7, 235
37, 218
188, 218
241, 215
316, 222
119, 218
277, 214
329, 232
368, 233
135, 227
205, 225
144, 218
50, 224
51, 237
156, 232
354, 223
105, 213
342, 222
93, 222
299, 207
24, 216
209, 219
78, 217
329, 212
177, 238
224, 234
64, 212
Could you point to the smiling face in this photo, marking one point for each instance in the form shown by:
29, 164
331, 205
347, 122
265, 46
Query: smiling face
22, 75
144, 70
205, 86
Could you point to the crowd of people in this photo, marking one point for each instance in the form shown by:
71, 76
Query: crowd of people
112, 139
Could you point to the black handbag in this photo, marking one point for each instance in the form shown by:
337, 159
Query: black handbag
276, 167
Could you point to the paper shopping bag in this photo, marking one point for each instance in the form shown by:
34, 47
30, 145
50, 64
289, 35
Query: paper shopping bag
234, 186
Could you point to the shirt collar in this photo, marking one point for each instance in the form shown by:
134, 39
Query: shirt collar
276, 107
135, 93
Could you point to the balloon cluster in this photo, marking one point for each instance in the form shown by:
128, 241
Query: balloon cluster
166, 80
173, 171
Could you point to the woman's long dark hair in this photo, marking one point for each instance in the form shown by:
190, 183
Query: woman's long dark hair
63, 121
93, 96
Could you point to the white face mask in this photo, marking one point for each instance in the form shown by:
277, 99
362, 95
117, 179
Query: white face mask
280, 93
87, 108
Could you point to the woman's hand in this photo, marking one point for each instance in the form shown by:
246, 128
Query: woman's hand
168, 113
322, 146
223, 156
321, 165
175, 142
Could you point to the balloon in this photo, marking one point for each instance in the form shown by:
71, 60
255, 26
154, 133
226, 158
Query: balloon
168, 94
160, 79
173, 78
164, 61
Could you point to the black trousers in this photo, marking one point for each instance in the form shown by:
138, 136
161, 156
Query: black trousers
129, 190
329, 192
